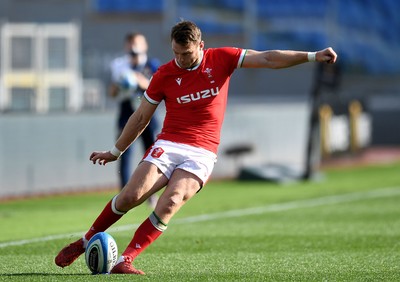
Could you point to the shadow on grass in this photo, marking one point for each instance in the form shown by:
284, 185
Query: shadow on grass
41, 274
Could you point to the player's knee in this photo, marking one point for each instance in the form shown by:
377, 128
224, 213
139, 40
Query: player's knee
171, 204
129, 199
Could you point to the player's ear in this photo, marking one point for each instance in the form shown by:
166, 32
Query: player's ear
201, 45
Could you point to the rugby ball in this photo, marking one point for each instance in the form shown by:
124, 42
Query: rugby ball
128, 80
101, 253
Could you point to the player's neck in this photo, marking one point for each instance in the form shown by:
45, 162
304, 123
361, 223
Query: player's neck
195, 65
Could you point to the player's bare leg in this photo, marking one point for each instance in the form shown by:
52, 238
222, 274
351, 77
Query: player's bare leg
145, 181
181, 187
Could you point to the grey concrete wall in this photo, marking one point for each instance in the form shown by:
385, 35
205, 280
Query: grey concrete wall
50, 153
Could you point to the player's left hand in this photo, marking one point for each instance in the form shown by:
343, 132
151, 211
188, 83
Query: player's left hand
102, 158
327, 55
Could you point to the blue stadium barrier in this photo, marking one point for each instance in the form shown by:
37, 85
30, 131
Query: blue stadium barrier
369, 30
155, 6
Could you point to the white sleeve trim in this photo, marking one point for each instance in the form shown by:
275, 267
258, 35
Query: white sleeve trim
241, 58
152, 101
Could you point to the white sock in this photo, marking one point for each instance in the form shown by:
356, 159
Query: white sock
121, 259
85, 242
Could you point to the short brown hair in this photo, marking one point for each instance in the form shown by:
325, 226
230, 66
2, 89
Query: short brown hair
185, 32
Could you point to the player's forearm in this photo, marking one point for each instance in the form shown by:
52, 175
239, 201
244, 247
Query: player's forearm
277, 59
132, 130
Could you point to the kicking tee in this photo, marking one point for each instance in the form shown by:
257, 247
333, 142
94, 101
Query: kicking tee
195, 99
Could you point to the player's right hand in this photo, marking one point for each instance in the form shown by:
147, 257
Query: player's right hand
102, 158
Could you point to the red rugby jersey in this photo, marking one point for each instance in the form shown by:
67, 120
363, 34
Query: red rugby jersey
195, 99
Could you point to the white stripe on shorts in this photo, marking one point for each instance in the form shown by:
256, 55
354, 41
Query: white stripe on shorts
168, 156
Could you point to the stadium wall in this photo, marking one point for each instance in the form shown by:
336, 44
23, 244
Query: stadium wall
47, 154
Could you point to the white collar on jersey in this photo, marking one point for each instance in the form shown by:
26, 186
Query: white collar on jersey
196, 66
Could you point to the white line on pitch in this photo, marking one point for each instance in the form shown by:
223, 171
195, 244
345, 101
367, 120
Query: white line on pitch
307, 203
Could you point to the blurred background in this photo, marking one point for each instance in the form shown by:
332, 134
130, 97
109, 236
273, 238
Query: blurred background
280, 124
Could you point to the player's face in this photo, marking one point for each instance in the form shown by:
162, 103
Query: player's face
187, 56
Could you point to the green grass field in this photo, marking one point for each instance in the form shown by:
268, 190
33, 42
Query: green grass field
345, 227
